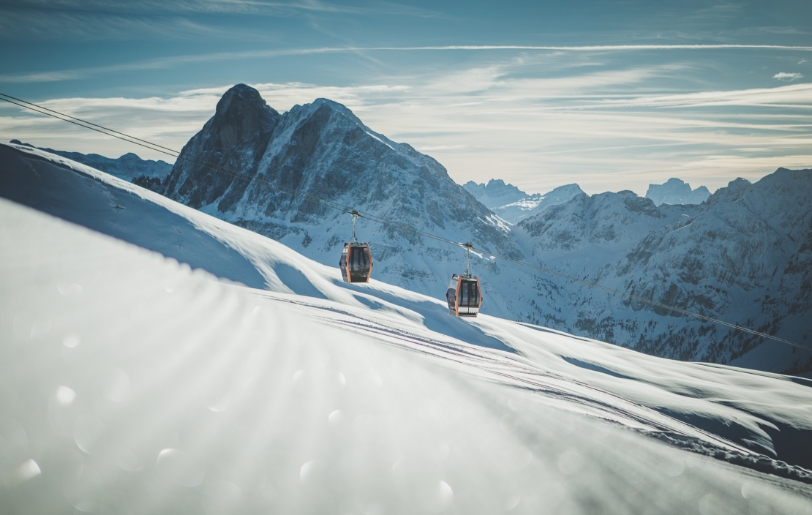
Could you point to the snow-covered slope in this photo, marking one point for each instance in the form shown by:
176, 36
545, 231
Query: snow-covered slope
675, 191
132, 382
127, 167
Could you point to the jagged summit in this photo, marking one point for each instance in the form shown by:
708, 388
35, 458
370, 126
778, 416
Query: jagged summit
322, 150
514, 205
495, 193
242, 113
241, 97
675, 191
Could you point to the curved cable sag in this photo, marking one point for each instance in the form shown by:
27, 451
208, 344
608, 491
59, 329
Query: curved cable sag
90, 123
172, 153
335, 205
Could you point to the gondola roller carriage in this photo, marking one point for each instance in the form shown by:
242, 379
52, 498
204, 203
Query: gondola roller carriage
464, 295
356, 258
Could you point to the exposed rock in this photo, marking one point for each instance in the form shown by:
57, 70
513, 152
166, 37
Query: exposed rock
675, 191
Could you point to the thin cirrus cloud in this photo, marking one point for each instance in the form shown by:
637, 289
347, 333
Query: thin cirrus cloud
16, 26
42, 20
166, 62
602, 128
251, 7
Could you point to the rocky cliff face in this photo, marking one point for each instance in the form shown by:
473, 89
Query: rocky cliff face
610, 219
744, 256
495, 193
323, 151
513, 205
220, 162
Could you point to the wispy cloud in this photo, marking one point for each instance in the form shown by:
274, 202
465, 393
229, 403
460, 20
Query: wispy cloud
787, 76
251, 7
607, 129
19, 26
165, 62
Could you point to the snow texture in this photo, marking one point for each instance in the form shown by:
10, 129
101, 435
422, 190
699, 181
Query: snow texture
156, 359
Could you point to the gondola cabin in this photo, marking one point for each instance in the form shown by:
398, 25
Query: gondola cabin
464, 295
356, 262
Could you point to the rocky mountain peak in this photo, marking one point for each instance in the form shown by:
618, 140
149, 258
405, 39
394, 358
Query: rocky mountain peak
495, 193
321, 150
241, 98
676, 191
241, 115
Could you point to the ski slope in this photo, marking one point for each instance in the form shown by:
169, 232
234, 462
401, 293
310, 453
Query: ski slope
157, 360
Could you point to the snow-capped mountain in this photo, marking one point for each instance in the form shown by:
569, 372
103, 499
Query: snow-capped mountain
244, 164
495, 193
323, 151
133, 380
514, 205
741, 257
128, 167
675, 191
612, 220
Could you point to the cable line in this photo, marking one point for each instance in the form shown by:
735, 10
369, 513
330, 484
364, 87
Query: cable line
347, 209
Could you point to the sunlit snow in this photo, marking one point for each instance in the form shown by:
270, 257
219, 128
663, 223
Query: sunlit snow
237, 376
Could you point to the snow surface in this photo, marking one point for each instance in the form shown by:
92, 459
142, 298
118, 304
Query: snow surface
158, 360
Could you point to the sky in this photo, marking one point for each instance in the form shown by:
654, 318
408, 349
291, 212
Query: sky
612, 95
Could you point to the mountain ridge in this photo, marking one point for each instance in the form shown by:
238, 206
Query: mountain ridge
618, 240
128, 166
676, 191
323, 150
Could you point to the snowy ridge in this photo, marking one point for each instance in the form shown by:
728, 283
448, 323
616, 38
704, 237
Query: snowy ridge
297, 392
127, 167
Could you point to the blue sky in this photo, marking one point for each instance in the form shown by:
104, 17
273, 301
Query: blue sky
611, 95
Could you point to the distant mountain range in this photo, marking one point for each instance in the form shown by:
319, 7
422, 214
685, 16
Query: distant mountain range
675, 191
743, 256
129, 167
514, 205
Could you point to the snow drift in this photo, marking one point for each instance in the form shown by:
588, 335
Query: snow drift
133, 380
